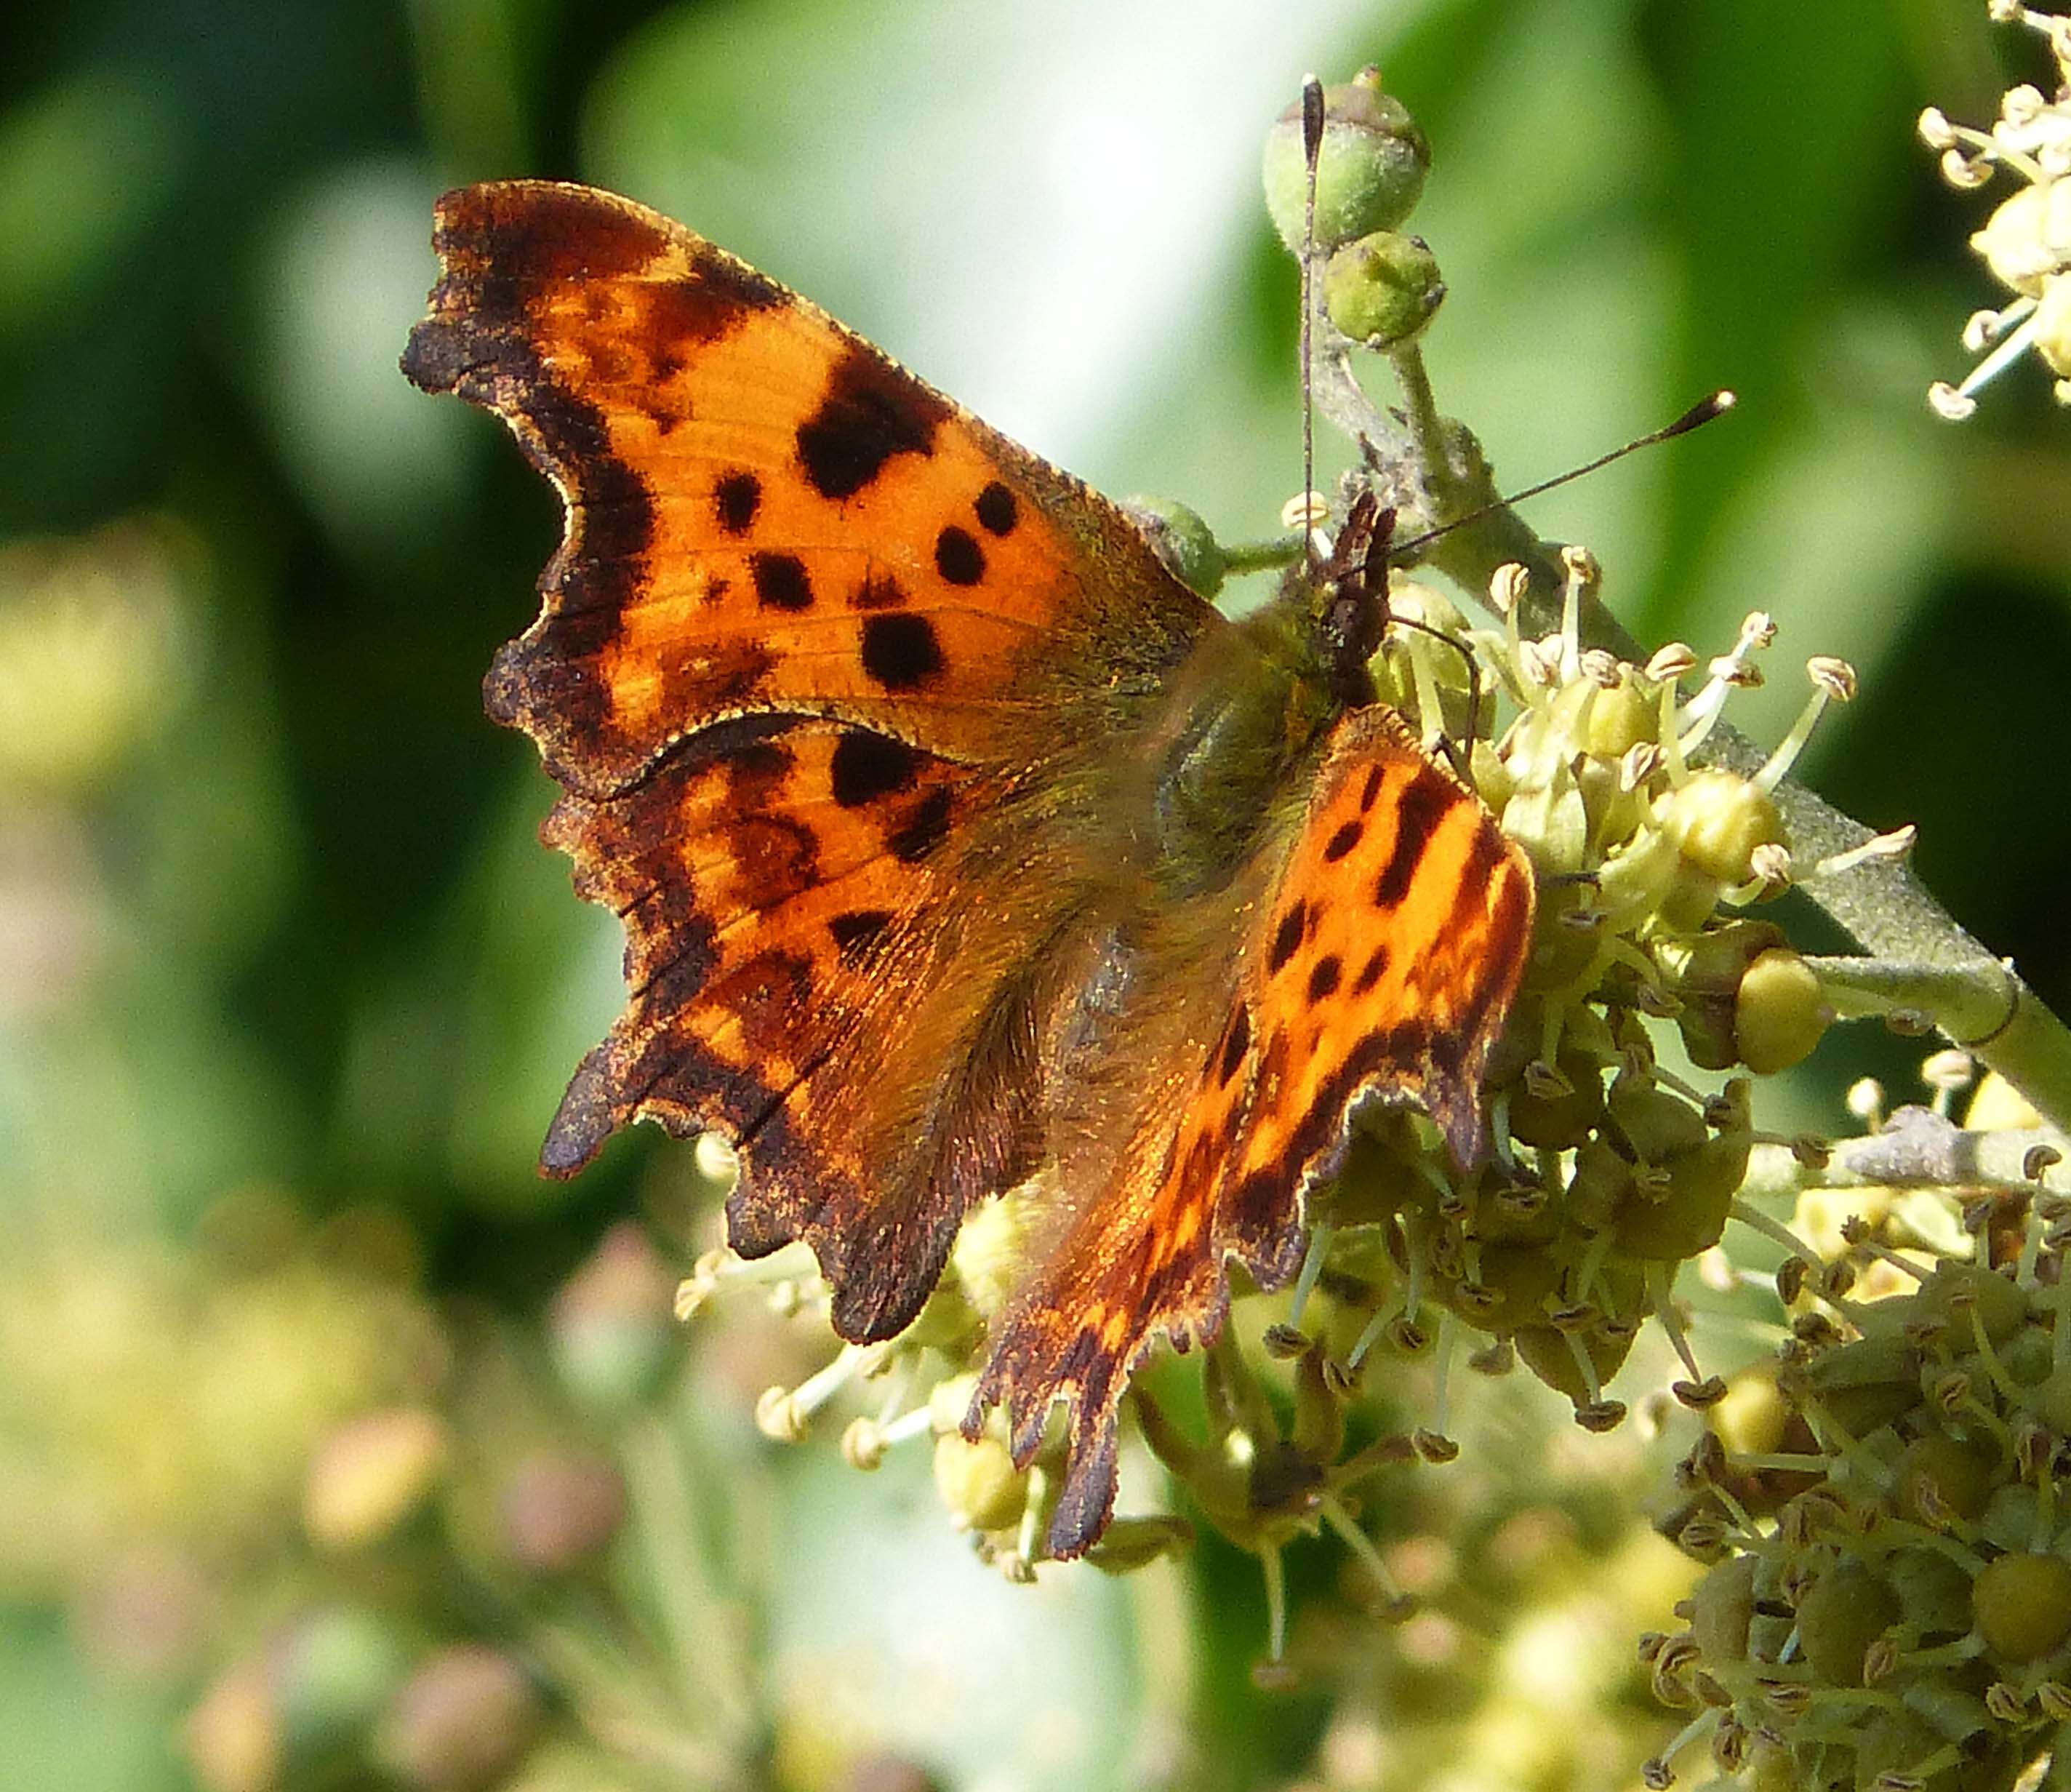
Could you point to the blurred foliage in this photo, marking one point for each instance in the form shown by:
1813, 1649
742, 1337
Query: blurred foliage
329, 1434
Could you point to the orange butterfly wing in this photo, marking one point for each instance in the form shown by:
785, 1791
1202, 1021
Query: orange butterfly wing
1381, 965
810, 636
764, 513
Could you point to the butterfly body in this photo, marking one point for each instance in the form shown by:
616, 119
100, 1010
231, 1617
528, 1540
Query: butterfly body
955, 839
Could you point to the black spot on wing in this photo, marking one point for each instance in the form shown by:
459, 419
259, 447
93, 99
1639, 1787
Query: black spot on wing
1324, 980
780, 581
958, 558
1471, 896
996, 510
1372, 972
867, 767
870, 411
1423, 805
1287, 937
857, 931
1237, 1041
735, 498
1342, 843
901, 650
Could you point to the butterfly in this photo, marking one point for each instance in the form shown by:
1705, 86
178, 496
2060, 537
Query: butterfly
955, 840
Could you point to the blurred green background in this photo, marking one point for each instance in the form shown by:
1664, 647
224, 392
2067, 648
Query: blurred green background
287, 992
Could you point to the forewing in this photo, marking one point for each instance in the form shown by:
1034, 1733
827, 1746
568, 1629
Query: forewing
764, 513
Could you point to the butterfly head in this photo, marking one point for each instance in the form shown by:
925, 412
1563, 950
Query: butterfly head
1348, 595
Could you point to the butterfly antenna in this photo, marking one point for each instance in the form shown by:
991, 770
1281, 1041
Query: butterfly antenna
1702, 412
1718, 404
1312, 149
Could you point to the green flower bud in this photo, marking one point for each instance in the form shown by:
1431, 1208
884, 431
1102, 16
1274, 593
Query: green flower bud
1935, 1475
1559, 954
1182, 540
1602, 1184
1961, 1295
991, 1253
1846, 1610
1659, 1124
1706, 973
1541, 1114
332, 1673
2022, 1605
611, 1326
1717, 818
1551, 823
979, 1483
1866, 1384
1510, 1291
1689, 1218
1130, 1543
1369, 173
1620, 719
1780, 1012
1383, 289
1546, 1352
1380, 1178
1491, 776
1721, 1610
1754, 1417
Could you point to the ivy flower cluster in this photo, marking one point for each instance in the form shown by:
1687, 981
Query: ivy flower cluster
2025, 243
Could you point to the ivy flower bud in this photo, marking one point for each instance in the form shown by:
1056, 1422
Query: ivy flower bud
611, 1326
979, 1483
461, 1721
2028, 237
1369, 174
1722, 1609
1936, 1477
560, 1508
1382, 290
1622, 717
1716, 818
370, 1474
1780, 1012
1182, 540
1707, 972
2022, 1605
1846, 1610
1557, 1112
332, 1673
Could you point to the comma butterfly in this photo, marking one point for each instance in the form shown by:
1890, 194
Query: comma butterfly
954, 838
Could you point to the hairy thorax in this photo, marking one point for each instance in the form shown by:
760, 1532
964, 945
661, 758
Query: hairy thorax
1246, 716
